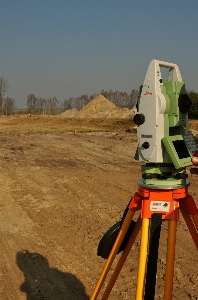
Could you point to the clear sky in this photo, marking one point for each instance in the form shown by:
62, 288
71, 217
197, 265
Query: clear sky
68, 48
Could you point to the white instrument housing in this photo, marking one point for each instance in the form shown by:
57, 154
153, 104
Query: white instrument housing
152, 104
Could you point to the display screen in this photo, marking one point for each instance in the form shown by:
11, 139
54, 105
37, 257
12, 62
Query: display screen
181, 149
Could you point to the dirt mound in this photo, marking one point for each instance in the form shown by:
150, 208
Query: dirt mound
100, 107
70, 113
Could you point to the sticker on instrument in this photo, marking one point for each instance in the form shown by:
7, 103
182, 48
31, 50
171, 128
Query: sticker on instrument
160, 206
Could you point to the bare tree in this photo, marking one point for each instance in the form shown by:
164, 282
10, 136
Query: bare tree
8, 105
67, 104
52, 105
31, 103
3, 89
42, 105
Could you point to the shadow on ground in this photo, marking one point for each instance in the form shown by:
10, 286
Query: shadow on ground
45, 283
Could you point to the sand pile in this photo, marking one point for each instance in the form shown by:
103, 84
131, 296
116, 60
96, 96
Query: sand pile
70, 113
100, 107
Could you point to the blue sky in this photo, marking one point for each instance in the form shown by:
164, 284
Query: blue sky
69, 48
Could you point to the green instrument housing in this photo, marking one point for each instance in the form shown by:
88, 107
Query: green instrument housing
177, 151
174, 126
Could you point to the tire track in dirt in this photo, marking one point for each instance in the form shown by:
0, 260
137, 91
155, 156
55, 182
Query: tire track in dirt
59, 195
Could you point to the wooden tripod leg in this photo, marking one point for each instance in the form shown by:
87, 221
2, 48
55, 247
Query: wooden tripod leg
190, 206
170, 258
122, 259
191, 227
113, 253
195, 220
142, 259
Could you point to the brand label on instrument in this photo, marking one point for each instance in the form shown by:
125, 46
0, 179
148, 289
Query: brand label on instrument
160, 206
146, 136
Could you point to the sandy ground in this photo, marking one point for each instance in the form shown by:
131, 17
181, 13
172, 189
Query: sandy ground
60, 192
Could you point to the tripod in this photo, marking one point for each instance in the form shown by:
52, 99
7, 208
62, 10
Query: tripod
156, 203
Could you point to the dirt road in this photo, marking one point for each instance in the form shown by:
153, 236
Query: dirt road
59, 193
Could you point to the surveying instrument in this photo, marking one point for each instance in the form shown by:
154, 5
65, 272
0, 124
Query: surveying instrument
167, 148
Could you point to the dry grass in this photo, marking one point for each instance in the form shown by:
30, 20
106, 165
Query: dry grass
45, 124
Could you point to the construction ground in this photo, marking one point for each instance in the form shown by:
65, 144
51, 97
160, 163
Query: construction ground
64, 182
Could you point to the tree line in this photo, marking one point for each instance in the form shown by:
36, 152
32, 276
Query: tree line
41, 105
51, 105
38, 105
121, 99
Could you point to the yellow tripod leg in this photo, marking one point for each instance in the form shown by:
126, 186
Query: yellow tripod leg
170, 258
187, 217
142, 259
122, 259
113, 253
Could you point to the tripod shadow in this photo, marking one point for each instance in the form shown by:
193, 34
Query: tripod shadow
45, 283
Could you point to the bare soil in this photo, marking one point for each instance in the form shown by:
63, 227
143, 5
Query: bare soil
59, 193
